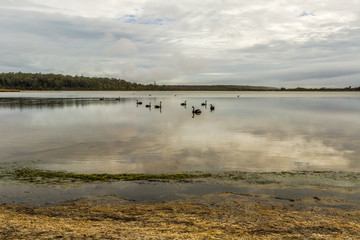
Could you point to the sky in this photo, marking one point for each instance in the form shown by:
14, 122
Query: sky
293, 43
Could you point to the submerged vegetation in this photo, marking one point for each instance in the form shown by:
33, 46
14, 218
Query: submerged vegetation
345, 180
39, 176
337, 179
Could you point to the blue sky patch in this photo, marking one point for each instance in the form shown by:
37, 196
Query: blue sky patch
305, 14
134, 19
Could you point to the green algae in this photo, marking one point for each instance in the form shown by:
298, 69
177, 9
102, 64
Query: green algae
39, 176
322, 179
337, 179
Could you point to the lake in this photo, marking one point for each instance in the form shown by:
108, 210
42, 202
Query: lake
296, 145
247, 131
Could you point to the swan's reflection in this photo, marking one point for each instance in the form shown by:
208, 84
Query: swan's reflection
251, 134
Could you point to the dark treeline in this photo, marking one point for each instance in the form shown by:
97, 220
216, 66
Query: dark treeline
216, 88
40, 81
324, 89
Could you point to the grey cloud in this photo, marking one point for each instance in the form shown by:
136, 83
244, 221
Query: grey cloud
309, 72
123, 46
188, 64
185, 42
146, 75
22, 5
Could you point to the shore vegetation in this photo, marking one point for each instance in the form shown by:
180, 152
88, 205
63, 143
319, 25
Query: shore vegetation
39, 81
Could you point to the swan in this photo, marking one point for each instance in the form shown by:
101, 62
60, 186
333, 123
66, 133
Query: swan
204, 103
196, 111
212, 107
148, 105
158, 106
137, 102
117, 99
101, 99
183, 104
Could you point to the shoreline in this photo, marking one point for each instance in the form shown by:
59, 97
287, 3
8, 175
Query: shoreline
355, 90
35, 187
10, 90
218, 216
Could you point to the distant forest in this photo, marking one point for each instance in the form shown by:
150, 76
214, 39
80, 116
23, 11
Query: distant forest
40, 81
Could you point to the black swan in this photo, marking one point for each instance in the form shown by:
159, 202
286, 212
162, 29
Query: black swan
158, 106
196, 111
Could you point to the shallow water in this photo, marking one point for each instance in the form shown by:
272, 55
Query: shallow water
153, 192
257, 131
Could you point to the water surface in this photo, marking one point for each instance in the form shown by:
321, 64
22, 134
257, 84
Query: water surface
257, 131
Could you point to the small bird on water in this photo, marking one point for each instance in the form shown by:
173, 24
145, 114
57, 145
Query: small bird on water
195, 111
158, 106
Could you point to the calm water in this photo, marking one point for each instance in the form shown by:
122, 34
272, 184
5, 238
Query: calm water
75, 131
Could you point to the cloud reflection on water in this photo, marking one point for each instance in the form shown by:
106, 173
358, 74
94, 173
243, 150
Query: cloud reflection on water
241, 134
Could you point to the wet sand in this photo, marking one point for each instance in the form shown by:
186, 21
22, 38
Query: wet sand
218, 216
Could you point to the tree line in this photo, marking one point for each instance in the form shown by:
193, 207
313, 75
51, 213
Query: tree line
40, 81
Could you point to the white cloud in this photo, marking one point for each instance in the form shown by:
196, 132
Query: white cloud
188, 64
147, 75
243, 42
123, 46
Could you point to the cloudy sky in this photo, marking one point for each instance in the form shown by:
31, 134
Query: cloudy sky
310, 43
